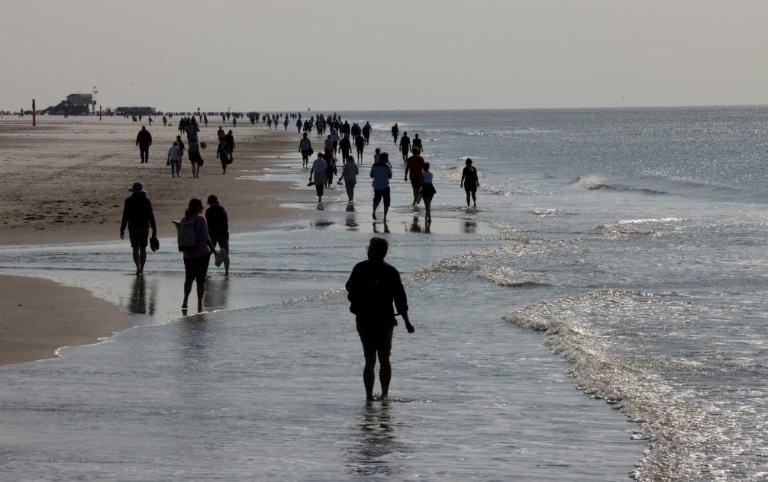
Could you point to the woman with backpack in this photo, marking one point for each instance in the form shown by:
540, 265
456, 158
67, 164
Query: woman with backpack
197, 255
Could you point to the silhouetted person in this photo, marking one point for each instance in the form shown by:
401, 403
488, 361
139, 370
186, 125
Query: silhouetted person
144, 140
373, 286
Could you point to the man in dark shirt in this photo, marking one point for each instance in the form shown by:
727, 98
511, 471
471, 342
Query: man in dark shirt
345, 145
138, 216
144, 140
218, 229
373, 286
405, 146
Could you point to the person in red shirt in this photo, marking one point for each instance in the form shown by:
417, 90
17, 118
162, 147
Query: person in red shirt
413, 167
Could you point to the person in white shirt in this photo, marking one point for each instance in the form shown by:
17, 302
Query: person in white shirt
349, 174
174, 159
317, 175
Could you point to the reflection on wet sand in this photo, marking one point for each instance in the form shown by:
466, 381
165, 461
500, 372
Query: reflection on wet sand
415, 227
216, 293
375, 447
351, 221
469, 227
138, 302
376, 228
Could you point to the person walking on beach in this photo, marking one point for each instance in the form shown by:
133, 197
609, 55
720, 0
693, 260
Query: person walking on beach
373, 287
317, 175
405, 146
367, 131
196, 260
139, 218
330, 170
144, 140
414, 166
345, 146
174, 159
381, 173
218, 229
222, 152
360, 146
194, 157
470, 182
395, 132
305, 147
417, 143
349, 174
427, 192
220, 133
182, 147
229, 140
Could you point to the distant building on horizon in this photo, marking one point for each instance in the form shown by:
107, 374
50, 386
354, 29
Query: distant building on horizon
75, 104
135, 111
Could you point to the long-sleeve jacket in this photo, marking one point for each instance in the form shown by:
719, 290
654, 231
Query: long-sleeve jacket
137, 214
144, 138
373, 286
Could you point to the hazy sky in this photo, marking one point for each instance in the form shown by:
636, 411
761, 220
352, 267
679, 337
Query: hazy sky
358, 55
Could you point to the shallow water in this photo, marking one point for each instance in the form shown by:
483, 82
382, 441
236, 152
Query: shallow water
629, 241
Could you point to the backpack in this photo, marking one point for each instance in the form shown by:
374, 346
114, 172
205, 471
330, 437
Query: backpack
186, 238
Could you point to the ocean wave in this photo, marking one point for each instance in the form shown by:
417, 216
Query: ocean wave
594, 183
609, 339
507, 277
629, 227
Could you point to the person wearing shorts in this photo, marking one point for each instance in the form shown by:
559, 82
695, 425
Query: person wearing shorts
139, 218
470, 182
381, 173
373, 287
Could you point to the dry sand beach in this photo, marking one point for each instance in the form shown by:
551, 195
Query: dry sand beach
65, 181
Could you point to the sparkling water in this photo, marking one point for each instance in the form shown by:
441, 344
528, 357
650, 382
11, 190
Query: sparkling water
618, 252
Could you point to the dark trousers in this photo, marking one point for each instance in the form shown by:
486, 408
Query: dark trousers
144, 150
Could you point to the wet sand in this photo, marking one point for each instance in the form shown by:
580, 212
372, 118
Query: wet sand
65, 181
38, 316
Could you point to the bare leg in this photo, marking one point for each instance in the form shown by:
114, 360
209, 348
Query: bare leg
467, 198
200, 293
369, 377
187, 291
137, 259
375, 206
142, 258
474, 198
386, 209
385, 375
427, 206
226, 265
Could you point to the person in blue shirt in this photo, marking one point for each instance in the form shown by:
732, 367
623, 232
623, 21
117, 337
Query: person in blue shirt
381, 172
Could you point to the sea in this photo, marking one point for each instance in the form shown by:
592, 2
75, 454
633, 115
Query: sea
600, 316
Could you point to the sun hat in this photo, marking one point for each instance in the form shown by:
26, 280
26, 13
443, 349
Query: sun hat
137, 187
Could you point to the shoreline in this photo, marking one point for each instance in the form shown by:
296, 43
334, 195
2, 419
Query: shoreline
67, 182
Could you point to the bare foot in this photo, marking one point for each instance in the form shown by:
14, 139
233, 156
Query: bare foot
374, 215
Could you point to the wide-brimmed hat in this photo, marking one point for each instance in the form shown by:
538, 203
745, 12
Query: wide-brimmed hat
213, 198
137, 187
